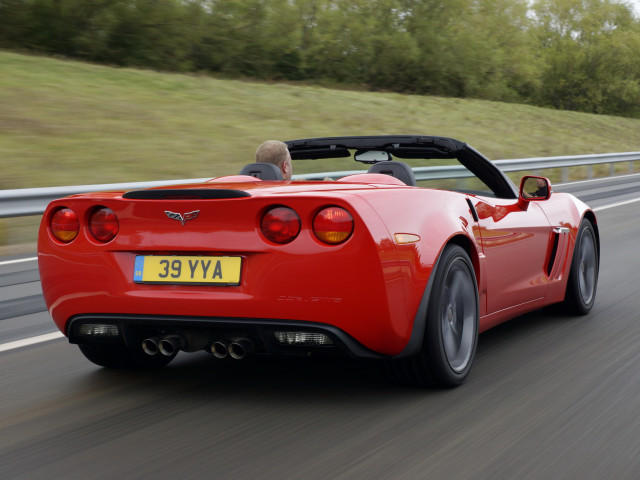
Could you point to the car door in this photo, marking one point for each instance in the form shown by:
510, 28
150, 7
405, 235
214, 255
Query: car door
515, 241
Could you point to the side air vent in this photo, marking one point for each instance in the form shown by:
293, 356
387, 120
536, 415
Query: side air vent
558, 253
185, 194
554, 251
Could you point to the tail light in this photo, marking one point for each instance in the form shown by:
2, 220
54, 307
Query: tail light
280, 225
64, 225
103, 224
333, 225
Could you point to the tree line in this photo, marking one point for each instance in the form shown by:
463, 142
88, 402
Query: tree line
568, 54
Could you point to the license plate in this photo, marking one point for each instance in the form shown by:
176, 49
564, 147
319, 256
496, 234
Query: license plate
190, 270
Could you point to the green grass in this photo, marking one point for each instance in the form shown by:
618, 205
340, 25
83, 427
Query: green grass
70, 123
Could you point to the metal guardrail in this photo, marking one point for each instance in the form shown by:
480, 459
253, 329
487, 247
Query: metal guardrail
23, 202
566, 162
33, 201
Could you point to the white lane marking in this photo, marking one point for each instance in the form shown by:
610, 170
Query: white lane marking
19, 260
30, 341
619, 204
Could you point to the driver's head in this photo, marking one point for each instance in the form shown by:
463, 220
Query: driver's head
276, 152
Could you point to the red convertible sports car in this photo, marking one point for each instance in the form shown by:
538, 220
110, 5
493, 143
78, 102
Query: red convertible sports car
370, 265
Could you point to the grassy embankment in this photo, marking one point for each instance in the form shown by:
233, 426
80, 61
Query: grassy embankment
70, 123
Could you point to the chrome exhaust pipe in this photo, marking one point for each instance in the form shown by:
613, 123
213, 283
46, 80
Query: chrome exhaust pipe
240, 348
170, 345
219, 349
150, 345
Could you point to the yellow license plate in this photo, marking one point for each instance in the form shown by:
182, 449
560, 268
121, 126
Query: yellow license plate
189, 270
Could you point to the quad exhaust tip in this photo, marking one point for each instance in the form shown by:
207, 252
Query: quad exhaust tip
169, 345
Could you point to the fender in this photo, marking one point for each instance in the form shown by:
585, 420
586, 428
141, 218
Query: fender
420, 320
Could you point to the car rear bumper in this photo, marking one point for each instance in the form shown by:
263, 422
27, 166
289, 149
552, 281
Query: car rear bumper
132, 330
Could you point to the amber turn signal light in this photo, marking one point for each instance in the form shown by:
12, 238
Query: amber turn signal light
64, 225
333, 225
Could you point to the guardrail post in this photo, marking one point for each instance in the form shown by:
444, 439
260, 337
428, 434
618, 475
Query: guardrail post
565, 174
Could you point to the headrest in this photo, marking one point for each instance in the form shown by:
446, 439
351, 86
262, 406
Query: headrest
399, 170
263, 171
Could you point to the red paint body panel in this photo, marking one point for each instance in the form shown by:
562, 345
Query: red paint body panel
370, 287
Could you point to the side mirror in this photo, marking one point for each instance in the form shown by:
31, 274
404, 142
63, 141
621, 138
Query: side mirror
533, 189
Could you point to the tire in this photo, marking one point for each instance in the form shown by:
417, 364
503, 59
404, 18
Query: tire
120, 357
451, 331
583, 275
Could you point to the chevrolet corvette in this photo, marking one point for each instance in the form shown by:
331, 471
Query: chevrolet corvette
375, 264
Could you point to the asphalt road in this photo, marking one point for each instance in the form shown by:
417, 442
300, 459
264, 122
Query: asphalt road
549, 397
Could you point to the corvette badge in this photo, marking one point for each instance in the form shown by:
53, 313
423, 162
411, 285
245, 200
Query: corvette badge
182, 218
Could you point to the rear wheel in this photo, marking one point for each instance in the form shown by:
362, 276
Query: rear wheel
451, 333
583, 276
118, 356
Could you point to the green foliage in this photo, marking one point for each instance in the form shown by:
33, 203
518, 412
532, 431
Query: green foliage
569, 54
591, 50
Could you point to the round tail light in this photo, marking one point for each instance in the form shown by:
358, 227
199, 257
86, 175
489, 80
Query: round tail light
280, 225
103, 224
64, 225
333, 225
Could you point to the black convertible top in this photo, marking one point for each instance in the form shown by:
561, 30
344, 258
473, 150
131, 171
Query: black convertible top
401, 146
410, 147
